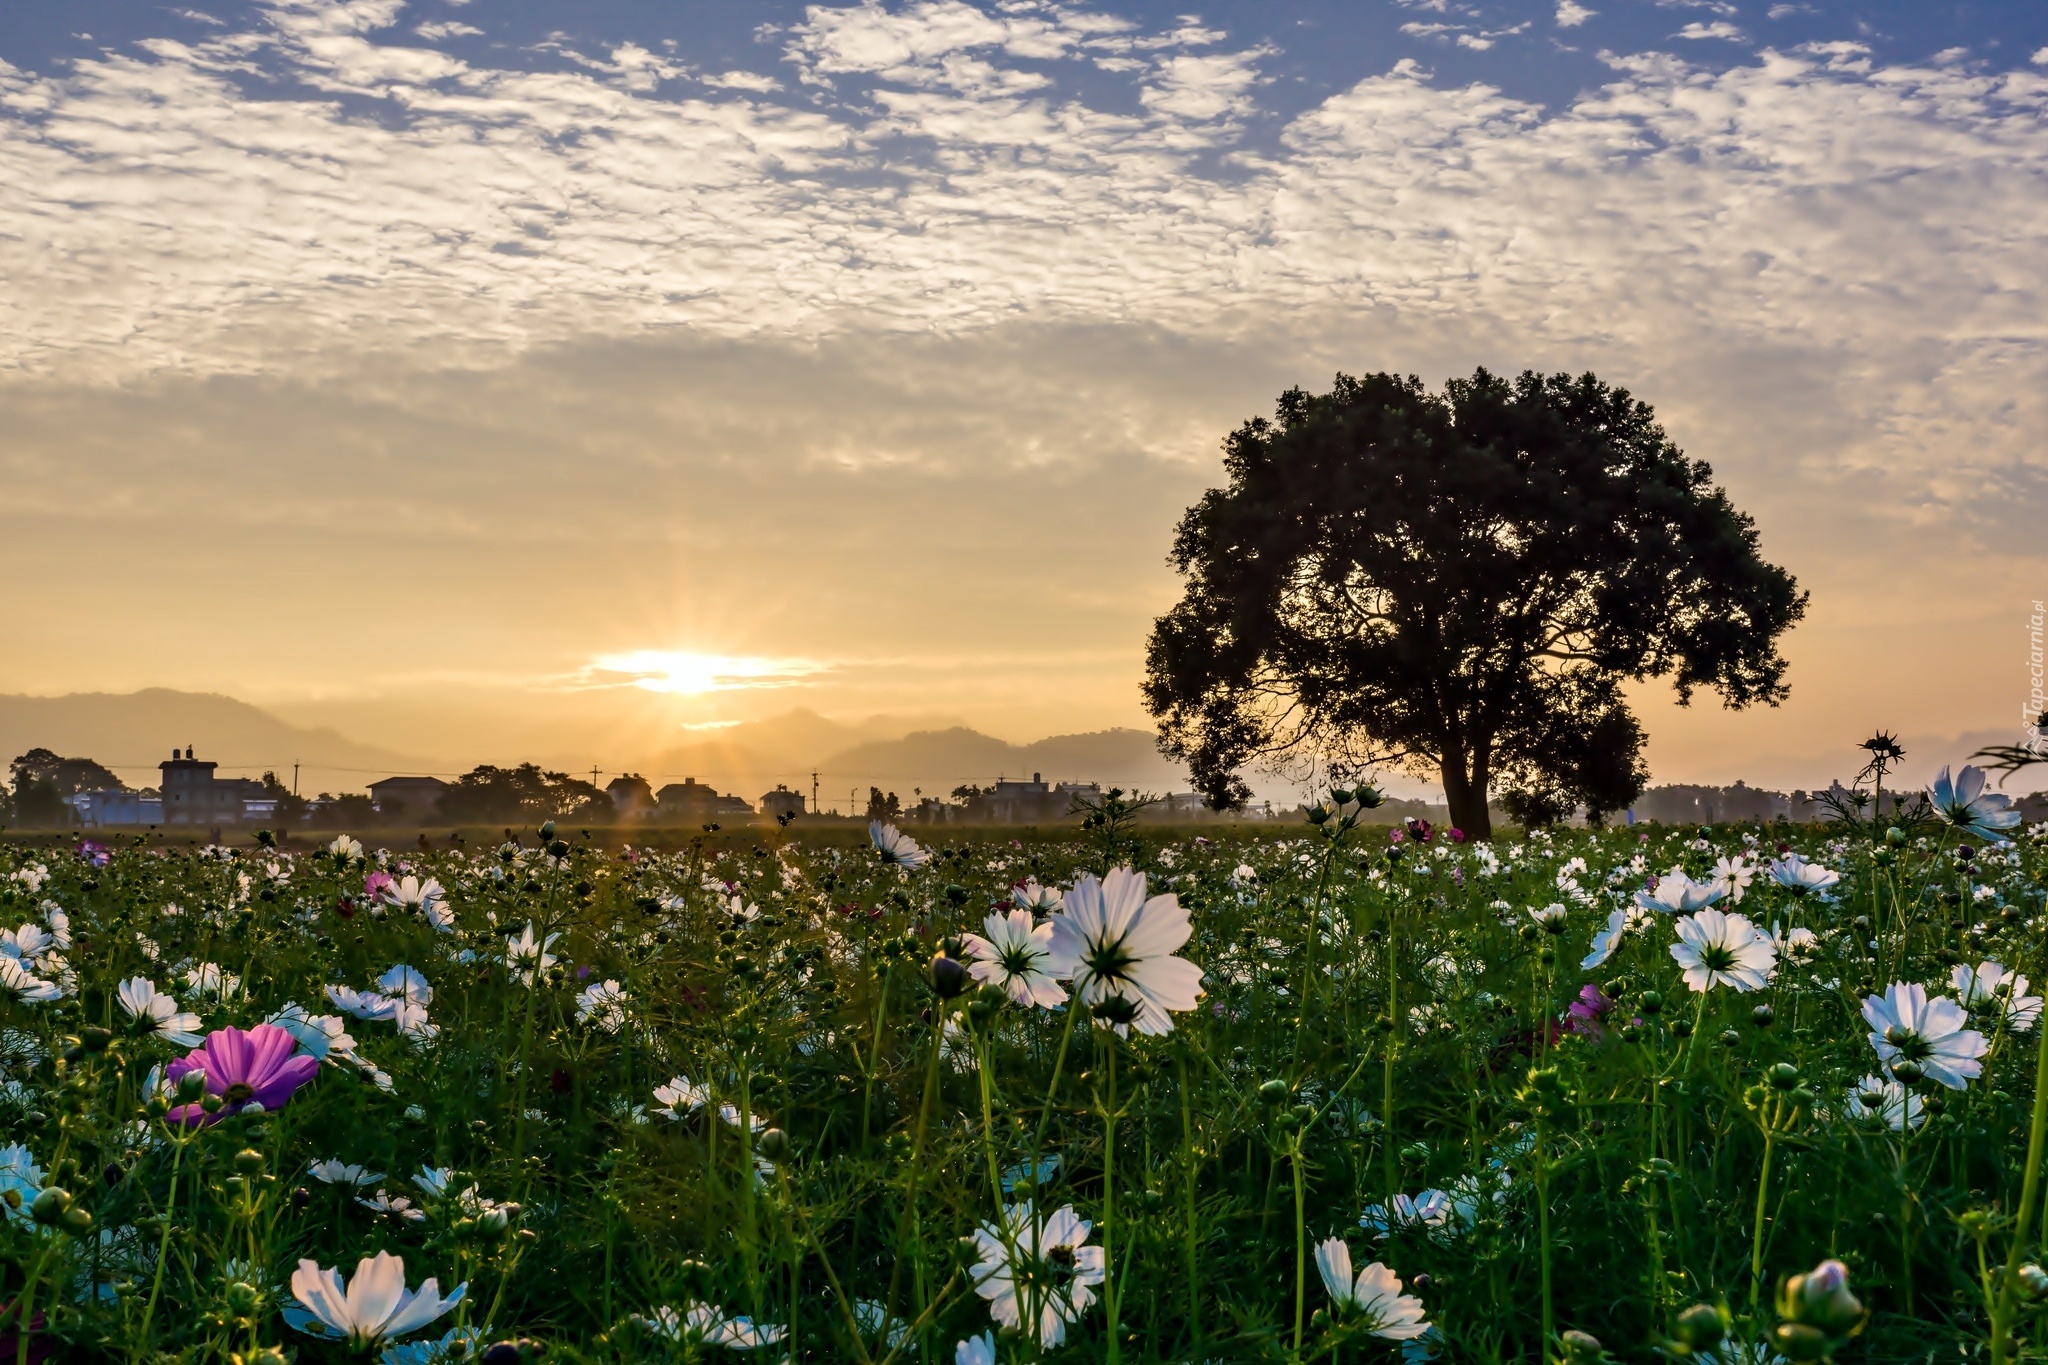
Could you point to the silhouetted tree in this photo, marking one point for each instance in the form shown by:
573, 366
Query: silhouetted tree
523, 795
1458, 582
67, 776
882, 807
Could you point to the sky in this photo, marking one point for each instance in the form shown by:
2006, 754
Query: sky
453, 371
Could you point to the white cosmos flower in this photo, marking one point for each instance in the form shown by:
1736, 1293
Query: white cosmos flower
1907, 1026
1798, 944
425, 897
2002, 992
157, 1013
603, 1004
395, 1206
1017, 954
334, 1171
1429, 1209
374, 1306
681, 1097
528, 956
1373, 1297
1678, 893
322, 1036
1121, 943
1965, 804
345, 847
1039, 900
1549, 917
1733, 876
1620, 923
1799, 876
700, 1324
26, 985
435, 1180
979, 1350
28, 943
20, 1176
406, 983
1714, 949
1882, 1099
1053, 1270
897, 848
208, 979
369, 1006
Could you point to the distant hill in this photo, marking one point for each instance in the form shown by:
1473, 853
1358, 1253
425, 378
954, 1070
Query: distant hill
132, 732
749, 759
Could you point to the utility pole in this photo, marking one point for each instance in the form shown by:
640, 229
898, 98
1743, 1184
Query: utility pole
295, 777
593, 776
814, 792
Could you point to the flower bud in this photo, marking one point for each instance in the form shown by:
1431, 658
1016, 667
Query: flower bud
248, 1161
2033, 1281
1582, 1348
50, 1205
1906, 1071
1797, 1341
77, 1220
1652, 1002
1821, 1299
1273, 1091
1784, 1075
191, 1085
948, 977
1700, 1327
773, 1144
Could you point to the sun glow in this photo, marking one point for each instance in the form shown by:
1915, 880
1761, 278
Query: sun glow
691, 675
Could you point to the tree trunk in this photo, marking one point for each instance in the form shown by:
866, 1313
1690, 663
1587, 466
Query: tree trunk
1467, 800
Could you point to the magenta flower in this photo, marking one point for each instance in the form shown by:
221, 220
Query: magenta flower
1584, 1015
1419, 831
1455, 835
374, 884
242, 1068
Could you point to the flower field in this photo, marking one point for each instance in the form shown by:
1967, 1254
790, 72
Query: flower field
1326, 1092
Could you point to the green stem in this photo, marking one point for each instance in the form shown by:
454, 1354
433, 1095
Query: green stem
1756, 1236
162, 1245
1112, 1289
2030, 1189
1300, 1241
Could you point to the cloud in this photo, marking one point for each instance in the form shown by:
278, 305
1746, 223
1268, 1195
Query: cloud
1570, 14
434, 32
1718, 29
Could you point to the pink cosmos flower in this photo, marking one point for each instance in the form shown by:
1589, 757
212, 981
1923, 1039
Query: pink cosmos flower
257, 1066
374, 884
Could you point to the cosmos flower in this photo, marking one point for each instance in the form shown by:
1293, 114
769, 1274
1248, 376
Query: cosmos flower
1999, 991
1799, 876
1733, 876
1121, 944
320, 1036
334, 1171
393, 1206
979, 1350
1429, 1209
1906, 1026
260, 1066
406, 983
698, 1324
681, 1097
1017, 955
1714, 949
1620, 923
155, 1013
21, 1177
27, 986
528, 956
375, 1306
1039, 900
1053, 1269
1797, 945
896, 848
1965, 804
1373, 1298
422, 897
1880, 1099
1677, 893
435, 1180
603, 1005
343, 847
208, 979
369, 1006
1550, 917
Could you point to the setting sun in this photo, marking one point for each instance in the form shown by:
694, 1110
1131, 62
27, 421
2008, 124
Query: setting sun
687, 674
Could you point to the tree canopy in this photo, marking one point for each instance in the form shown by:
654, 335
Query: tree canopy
1458, 583
490, 795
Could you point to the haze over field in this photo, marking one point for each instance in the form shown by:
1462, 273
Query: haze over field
484, 381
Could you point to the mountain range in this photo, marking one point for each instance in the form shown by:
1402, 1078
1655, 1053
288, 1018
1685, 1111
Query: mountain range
133, 732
